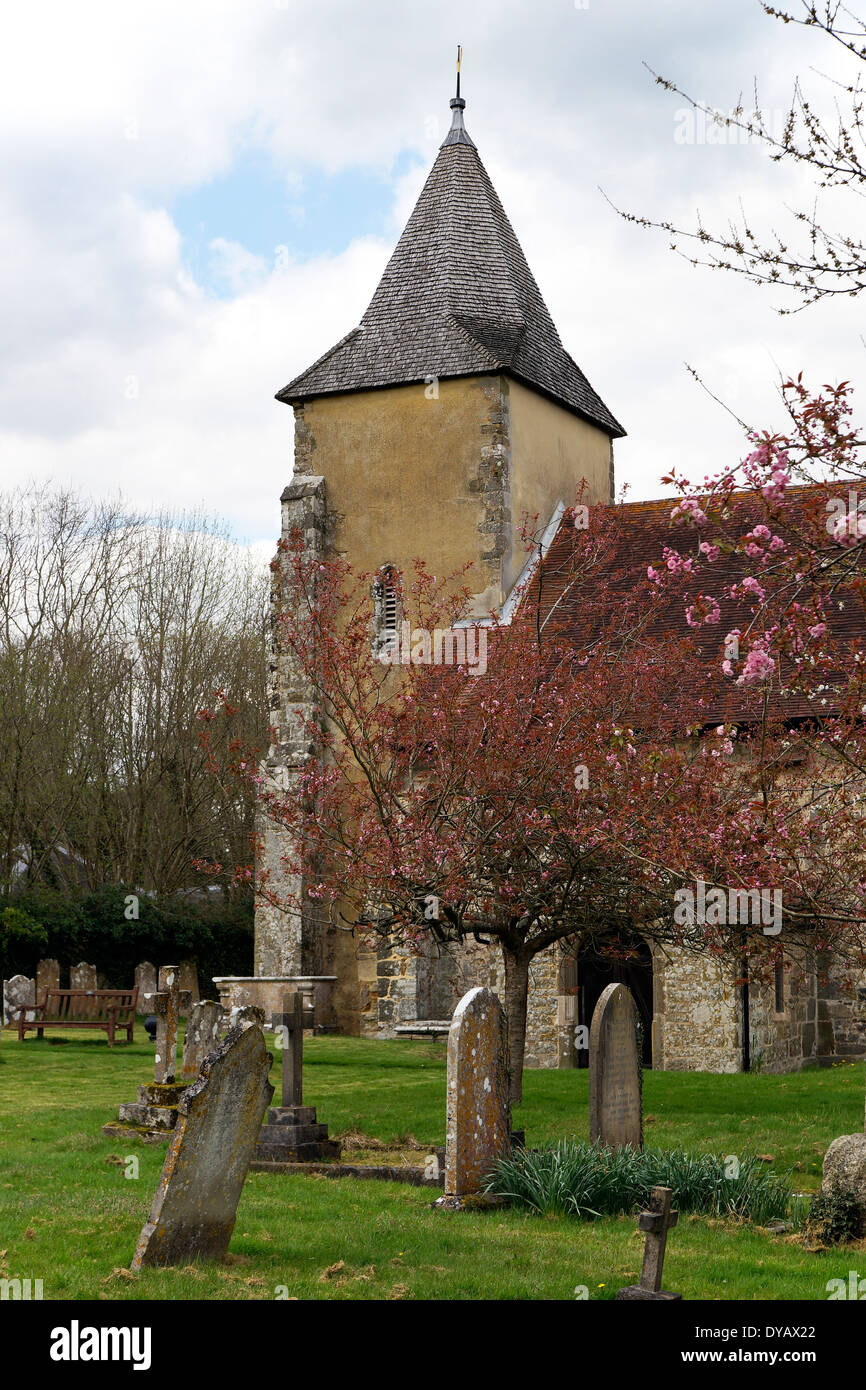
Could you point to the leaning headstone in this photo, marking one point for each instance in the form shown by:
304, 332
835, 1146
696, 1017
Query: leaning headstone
145, 983
188, 978
615, 1113
47, 977
292, 1133
655, 1223
242, 1015
478, 1108
82, 976
195, 1206
18, 992
203, 1029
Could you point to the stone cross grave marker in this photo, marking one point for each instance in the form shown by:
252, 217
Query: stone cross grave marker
656, 1222
167, 1004
203, 1029
196, 1201
478, 1108
615, 1111
293, 1133
291, 1021
47, 977
82, 976
18, 991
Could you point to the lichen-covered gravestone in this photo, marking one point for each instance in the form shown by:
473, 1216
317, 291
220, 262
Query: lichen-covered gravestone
17, 992
203, 1029
47, 977
478, 1110
83, 976
195, 1206
615, 1114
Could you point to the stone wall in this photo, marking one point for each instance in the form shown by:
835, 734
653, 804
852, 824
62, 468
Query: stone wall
284, 943
542, 1025
697, 1013
842, 1002
781, 1039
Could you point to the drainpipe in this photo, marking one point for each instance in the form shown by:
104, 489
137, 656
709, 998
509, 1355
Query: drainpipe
747, 1055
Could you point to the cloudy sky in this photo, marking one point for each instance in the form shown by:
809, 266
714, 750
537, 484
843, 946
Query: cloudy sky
198, 198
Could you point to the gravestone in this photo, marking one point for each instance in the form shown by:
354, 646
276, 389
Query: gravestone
82, 976
188, 978
47, 977
244, 1014
154, 1114
615, 1112
17, 991
167, 1004
195, 1206
478, 1108
292, 1133
203, 1029
145, 983
655, 1223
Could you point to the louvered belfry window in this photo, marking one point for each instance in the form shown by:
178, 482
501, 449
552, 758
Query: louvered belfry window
389, 603
386, 605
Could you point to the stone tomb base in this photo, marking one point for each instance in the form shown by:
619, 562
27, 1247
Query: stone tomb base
152, 1116
292, 1135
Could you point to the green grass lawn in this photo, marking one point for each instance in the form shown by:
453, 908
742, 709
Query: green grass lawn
70, 1216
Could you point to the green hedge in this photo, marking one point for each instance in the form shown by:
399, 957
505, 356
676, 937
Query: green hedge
42, 922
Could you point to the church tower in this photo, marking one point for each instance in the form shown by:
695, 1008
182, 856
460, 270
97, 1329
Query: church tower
430, 430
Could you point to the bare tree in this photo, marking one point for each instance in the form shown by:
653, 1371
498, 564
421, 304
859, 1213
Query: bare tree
811, 259
115, 630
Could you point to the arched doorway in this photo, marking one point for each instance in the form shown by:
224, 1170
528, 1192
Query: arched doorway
595, 971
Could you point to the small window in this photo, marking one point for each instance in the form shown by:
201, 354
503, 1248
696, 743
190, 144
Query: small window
779, 987
387, 607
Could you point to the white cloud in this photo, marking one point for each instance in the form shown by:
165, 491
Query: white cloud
119, 369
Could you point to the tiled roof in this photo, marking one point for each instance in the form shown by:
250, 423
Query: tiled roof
645, 529
457, 298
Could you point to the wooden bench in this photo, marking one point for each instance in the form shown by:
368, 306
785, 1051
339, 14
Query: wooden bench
108, 1009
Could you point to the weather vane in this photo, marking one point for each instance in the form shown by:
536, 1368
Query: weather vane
459, 56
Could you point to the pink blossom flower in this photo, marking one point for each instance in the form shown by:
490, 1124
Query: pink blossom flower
759, 667
751, 585
687, 509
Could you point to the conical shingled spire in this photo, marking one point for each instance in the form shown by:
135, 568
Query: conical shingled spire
457, 298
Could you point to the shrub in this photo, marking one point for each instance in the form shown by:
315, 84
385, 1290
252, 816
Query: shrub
20, 935
834, 1217
573, 1177
218, 935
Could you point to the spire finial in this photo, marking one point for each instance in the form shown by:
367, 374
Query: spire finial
458, 134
